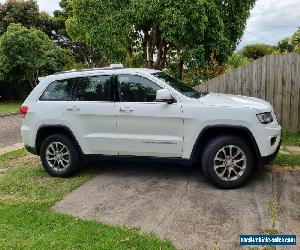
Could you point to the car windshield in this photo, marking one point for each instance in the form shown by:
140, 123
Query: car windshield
178, 85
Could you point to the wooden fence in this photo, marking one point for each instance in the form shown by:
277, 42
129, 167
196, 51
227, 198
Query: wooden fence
275, 78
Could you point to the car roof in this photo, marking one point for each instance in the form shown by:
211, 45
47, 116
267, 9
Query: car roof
95, 71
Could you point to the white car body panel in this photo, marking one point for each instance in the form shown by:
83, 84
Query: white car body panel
150, 129
94, 125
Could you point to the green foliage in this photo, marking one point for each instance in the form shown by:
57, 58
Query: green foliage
285, 45
295, 41
234, 14
290, 44
25, 12
237, 60
29, 53
10, 107
60, 16
84, 54
156, 29
255, 51
291, 138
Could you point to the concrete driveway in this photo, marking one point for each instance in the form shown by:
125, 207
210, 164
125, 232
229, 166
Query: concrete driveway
177, 203
10, 134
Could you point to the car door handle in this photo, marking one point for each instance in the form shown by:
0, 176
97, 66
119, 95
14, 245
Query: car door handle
73, 109
126, 109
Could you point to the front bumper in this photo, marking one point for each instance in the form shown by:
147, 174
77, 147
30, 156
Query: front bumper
265, 160
267, 138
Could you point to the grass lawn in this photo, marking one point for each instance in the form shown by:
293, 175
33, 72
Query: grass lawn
287, 160
27, 221
9, 107
283, 162
291, 160
291, 138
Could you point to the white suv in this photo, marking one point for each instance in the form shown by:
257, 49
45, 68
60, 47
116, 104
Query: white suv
116, 112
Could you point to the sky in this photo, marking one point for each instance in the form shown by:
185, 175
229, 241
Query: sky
270, 20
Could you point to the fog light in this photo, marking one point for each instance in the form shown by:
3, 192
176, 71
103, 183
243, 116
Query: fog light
273, 140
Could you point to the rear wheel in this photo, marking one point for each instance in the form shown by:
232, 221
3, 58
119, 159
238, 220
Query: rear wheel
227, 161
59, 156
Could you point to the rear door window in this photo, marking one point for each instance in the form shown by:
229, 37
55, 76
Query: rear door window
94, 88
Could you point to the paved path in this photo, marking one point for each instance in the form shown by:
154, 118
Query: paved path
10, 133
177, 203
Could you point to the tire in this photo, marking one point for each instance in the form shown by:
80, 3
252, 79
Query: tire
63, 164
222, 171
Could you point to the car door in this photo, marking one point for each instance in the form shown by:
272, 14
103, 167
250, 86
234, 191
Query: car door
146, 127
50, 106
91, 114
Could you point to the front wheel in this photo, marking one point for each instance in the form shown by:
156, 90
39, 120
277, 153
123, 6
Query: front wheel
227, 161
59, 156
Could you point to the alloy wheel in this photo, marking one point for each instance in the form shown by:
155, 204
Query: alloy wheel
58, 156
230, 163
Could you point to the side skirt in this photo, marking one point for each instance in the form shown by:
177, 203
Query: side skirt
130, 158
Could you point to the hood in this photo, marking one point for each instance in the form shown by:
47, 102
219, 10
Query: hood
238, 101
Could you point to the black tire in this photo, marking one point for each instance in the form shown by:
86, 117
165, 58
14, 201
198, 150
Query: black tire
214, 147
74, 156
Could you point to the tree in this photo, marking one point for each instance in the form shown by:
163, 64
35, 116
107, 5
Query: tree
83, 53
289, 44
295, 41
237, 60
26, 54
285, 45
255, 51
192, 30
27, 13
234, 14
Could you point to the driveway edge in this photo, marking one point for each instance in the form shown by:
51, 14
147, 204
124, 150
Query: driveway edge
11, 148
9, 114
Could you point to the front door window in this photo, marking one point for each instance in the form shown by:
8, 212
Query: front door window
136, 89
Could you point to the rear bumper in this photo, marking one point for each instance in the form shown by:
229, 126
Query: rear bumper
265, 160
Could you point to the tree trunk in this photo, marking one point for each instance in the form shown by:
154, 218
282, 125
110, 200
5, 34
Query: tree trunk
159, 58
153, 45
150, 51
180, 68
152, 41
129, 56
34, 81
144, 44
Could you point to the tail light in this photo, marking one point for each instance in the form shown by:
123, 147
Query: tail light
24, 110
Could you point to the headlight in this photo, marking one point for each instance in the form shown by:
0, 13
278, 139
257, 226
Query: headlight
265, 118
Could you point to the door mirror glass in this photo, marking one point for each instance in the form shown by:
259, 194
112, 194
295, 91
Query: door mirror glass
164, 95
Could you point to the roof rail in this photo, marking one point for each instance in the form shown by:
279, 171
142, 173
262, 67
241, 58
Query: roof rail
111, 67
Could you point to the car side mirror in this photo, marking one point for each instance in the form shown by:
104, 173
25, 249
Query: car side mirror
164, 95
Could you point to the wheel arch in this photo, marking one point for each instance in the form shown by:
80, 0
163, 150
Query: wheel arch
46, 130
213, 131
